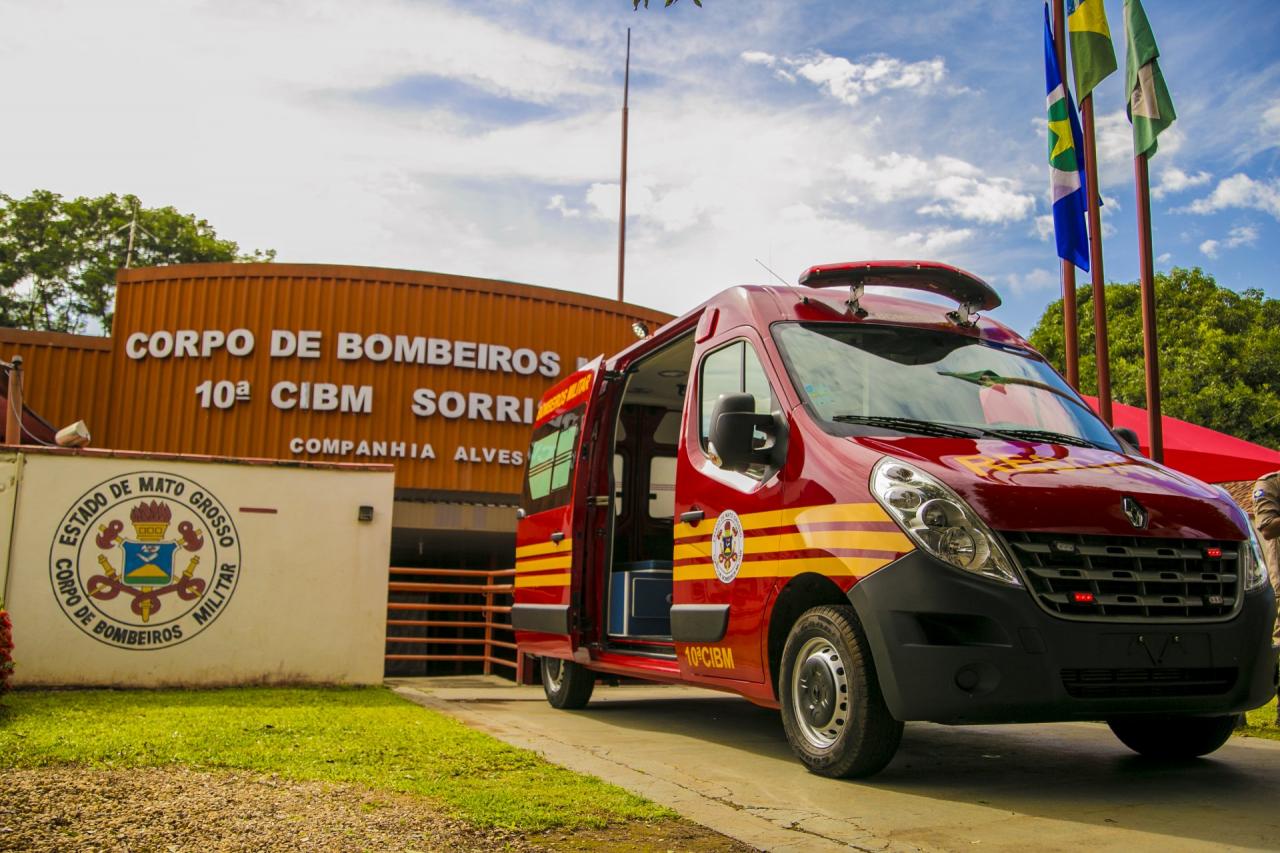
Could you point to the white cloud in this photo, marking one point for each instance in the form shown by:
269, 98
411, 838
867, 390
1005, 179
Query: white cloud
848, 82
1241, 235
1038, 280
1174, 180
1240, 190
557, 203
951, 187
1114, 136
1164, 258
1044, 227
933, 242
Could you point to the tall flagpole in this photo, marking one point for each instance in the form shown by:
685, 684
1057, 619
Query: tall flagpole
622, 194
1100, 347
1070, 334
1147, 286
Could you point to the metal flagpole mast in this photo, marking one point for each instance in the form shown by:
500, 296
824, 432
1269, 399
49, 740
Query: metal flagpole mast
622, 188
1101, 352
1070, 334
1147, 282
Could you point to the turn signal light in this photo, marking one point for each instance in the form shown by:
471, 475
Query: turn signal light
1082, 598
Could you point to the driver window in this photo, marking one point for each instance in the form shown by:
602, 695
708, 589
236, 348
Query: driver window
733, 369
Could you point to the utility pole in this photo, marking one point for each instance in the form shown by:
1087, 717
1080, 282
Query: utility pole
622, 186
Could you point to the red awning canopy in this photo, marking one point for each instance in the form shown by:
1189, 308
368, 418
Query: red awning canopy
1205, 454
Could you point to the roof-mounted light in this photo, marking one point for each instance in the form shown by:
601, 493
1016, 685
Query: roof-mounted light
972, 293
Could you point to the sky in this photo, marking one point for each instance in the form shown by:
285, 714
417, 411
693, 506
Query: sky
482, 137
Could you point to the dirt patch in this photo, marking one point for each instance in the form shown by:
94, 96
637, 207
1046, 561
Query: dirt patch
176, 809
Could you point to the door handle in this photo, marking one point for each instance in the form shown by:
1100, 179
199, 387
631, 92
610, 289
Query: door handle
693, 516
557, 537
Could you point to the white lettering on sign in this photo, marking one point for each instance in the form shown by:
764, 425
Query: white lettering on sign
500, 455
188, 343
322, 397
303, 344
439, 352
348, 447
473, 405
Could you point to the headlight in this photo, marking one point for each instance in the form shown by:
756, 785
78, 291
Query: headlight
939, 521
1252, 567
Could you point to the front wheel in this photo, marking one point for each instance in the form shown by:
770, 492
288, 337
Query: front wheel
1173, 736
832, 708
568, 685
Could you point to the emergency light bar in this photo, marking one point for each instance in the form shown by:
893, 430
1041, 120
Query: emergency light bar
971, 292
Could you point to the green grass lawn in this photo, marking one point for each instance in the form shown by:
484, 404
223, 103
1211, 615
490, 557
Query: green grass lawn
1262, 722
368, 737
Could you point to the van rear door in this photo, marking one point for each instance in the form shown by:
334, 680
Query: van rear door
551, 550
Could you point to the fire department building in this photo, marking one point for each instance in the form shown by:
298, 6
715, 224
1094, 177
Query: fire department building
437, 374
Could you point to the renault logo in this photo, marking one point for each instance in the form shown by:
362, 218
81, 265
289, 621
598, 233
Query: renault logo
1134, 512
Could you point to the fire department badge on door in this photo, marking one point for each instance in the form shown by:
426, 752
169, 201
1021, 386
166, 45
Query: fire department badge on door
145, 560
726, 545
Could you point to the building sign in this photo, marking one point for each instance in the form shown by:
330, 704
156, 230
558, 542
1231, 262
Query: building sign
145, 560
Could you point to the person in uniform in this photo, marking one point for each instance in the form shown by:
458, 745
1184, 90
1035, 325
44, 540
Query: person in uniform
1266, 520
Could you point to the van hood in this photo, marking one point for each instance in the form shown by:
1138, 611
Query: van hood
1021, 485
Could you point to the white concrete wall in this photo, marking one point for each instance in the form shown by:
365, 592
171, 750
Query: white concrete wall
284, 583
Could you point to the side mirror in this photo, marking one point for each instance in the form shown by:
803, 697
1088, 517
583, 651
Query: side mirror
734, 423
1128, 440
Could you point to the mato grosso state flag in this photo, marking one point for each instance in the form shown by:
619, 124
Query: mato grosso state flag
1150, 108
1092, 56
1066, 180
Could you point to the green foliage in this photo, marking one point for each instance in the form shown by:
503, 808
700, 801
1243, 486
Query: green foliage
1262, 722
58, 257
367, 737
635, 4
1219, 351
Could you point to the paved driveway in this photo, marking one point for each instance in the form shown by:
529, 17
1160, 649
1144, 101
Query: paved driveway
724, 763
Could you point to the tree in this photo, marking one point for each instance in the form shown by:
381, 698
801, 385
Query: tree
58, 258
1219, 351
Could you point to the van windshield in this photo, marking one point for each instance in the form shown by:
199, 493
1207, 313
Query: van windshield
867, 379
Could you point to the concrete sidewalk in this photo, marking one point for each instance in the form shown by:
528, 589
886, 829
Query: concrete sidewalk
725, 763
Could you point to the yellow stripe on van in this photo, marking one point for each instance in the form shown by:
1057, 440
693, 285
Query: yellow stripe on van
868, 540
828, 566
818, 514
565, 546
528, 581
541, 564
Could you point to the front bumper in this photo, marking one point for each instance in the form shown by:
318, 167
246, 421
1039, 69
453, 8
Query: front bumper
955, 648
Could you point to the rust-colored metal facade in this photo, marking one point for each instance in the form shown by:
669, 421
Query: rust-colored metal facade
152, 403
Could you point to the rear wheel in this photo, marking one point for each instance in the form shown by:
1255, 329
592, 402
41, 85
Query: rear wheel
568, 685
1173, 736
832, 709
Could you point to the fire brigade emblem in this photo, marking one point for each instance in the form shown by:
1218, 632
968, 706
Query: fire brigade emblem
145, 561
726, 546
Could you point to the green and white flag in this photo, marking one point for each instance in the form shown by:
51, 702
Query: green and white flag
1150, 108
1092, 56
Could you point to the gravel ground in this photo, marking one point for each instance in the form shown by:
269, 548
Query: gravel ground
176, 809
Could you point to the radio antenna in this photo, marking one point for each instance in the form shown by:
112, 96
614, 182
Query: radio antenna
803, 298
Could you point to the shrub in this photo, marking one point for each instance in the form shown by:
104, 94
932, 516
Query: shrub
6, 649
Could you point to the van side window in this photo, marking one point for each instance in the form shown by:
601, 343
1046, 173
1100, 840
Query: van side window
551, 455
733, 369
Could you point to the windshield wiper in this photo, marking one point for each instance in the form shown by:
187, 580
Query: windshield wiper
989, 378
1043, 435
911, 425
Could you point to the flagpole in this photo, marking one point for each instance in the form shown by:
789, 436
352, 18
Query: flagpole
622, 193
1100, 347
1146, 279
1070, 334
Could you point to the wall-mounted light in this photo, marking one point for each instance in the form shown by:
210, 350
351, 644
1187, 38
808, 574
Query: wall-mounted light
641, 330
365, 513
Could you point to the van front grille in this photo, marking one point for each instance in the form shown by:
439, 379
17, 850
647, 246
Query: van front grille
1128, 577
1137, 683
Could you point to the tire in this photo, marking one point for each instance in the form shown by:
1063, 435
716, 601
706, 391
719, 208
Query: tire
568, 685
1173, 737
832, 709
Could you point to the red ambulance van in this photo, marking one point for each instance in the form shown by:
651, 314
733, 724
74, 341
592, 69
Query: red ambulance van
864, 509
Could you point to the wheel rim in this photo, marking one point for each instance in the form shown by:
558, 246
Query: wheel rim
555, 674
820, 693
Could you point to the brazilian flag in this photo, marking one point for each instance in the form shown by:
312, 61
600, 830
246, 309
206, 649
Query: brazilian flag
1150, 108
1066, 161
1092, 56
